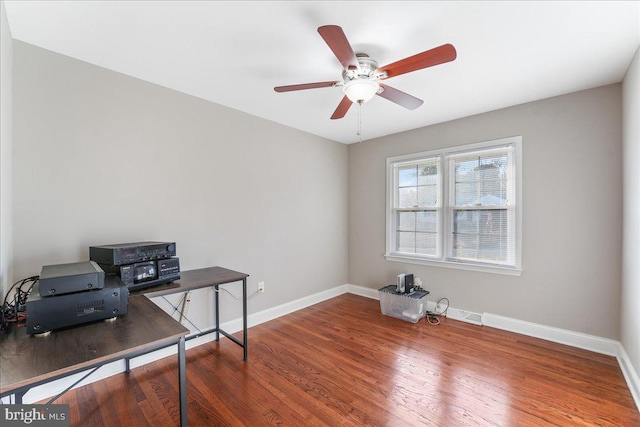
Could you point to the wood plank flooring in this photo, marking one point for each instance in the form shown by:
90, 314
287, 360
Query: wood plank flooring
342, 363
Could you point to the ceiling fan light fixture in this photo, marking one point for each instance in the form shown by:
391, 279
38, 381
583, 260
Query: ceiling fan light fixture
361, 90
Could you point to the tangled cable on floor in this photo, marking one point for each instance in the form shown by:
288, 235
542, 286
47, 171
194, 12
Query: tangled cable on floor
432, 316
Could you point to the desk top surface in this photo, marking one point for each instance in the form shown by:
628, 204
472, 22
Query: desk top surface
28, 359
195, 279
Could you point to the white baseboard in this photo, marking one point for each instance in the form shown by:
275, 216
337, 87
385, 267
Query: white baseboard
562, 336
630, 374
363, 292
290, 307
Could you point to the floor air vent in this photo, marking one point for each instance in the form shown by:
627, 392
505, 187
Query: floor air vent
464, 316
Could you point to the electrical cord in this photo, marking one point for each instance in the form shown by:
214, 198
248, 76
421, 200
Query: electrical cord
433, 316
228, 292
249, 296
13, 311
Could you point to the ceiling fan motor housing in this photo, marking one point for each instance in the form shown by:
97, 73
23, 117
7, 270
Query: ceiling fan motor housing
366, 69
361, 83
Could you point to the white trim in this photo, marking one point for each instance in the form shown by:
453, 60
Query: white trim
630, 375
562, 336
363, 292
485, 268
549, 333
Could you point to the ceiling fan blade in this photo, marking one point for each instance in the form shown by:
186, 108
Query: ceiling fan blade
403, 99
342, 109
337, 41
303, 86
429, 58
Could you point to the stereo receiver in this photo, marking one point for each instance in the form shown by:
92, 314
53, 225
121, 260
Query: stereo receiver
129, 253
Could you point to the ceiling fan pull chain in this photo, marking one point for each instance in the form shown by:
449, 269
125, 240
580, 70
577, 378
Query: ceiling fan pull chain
359, 133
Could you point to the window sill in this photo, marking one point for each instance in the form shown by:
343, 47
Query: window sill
510, 271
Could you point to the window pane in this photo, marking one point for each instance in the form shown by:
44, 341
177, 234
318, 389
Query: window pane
481, 235
426, 243
426, 221
406, 221
482, 180
406, 242
407, 197
427, 195
417, 232
418, 184
428, 173
407, 176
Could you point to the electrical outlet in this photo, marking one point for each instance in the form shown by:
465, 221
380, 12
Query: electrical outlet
260, 287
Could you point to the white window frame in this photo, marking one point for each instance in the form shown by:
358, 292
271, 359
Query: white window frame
443, 258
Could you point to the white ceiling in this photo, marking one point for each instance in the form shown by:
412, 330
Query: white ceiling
233, 53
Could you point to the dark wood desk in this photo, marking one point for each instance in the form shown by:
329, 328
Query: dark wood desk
27, 361
202, 278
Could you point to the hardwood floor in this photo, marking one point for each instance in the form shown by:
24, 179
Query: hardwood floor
342, 363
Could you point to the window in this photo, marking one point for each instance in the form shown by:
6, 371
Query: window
458, 207
418, 207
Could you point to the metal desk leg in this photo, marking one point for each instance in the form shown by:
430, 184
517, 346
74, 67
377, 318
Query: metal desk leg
182, 381
17, 397
217, 304
244, 317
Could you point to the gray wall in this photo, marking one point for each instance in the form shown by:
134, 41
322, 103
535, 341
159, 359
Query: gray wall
96, 152
572, 217
100, 157
630, 308
6, 144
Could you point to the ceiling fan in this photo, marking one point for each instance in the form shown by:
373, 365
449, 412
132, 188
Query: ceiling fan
361, 75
